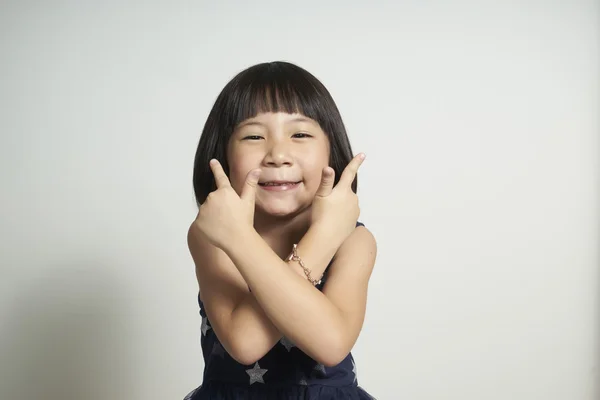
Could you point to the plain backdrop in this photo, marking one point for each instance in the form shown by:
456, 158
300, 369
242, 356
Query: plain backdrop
481, 185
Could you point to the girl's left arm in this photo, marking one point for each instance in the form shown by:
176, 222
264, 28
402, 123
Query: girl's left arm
325, 325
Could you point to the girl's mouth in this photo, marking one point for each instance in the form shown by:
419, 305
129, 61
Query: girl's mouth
279, 186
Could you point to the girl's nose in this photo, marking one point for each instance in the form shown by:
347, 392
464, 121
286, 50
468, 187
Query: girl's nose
278, 155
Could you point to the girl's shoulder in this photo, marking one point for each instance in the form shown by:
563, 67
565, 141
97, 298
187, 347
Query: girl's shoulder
359, 241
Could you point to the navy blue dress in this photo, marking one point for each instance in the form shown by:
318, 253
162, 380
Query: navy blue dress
285, 372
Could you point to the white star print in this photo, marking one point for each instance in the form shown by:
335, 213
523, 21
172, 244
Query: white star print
204, 326
287, 343
320, 368
354, 370
301, 378
256, 374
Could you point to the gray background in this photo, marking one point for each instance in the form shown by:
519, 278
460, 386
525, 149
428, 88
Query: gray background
480, 122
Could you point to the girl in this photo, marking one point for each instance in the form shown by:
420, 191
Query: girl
282, 264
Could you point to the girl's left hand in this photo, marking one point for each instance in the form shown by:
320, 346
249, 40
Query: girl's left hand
224, 214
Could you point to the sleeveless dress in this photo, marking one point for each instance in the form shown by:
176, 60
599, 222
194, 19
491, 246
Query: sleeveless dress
285, 372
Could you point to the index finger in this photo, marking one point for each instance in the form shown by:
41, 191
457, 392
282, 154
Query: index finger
351, 170
221, 178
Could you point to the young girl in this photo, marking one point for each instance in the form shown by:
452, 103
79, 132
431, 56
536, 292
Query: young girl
282, 264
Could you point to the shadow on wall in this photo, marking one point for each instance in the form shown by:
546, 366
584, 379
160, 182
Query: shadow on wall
67, 336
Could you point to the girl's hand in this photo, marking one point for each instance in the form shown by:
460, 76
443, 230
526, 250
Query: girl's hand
336, 209
224, 214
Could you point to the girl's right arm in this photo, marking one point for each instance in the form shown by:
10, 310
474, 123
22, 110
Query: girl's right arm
242, 327
237, 319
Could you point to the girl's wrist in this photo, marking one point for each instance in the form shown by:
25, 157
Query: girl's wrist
239, 236
326, 233
324, 236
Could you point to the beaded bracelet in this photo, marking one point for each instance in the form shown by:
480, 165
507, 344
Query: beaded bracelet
294, 257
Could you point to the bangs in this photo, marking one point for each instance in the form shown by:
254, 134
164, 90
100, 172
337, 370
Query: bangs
274, 88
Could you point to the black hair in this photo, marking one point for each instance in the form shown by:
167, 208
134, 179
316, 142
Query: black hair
268, 87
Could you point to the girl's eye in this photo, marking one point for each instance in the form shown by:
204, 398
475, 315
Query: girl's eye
301, 135
252, 137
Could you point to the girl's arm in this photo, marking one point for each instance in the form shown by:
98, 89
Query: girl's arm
325, 325
223, 290
238, 320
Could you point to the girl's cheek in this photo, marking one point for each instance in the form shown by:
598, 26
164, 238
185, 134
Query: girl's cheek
315, 179
236, 176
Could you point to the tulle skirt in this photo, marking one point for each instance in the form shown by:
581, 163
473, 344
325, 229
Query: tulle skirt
215, 390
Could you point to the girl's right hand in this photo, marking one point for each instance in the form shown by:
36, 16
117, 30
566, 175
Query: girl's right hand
336, 209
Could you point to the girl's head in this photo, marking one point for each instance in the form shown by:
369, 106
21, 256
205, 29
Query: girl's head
280, 118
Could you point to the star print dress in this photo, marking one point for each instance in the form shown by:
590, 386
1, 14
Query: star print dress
285, 372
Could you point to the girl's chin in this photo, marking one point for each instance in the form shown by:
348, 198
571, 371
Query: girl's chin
280, 212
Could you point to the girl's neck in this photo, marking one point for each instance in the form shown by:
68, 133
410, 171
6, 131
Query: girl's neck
281, 233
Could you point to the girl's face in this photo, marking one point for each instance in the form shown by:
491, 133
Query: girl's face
290, 149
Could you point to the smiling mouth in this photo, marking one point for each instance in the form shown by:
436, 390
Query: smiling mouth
279, 186
279, 183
